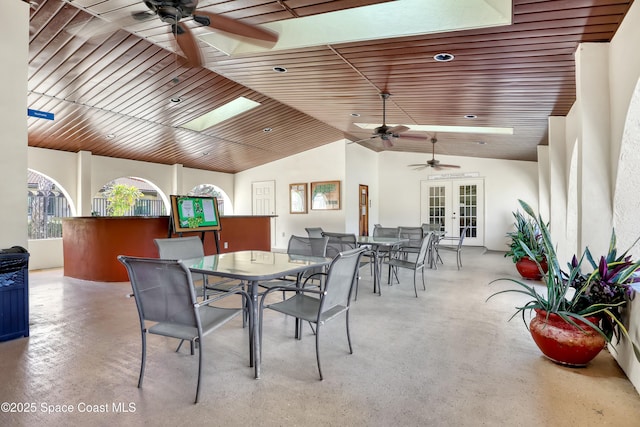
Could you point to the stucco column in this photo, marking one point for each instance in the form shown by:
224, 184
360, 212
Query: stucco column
594, 142
558, 186
14, 45
543, 181
84, 194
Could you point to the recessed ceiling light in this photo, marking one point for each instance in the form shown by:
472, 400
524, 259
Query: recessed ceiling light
110, 136
481, 143
205, 153
443, 57
355, 115
279, 69
176, 99
267, 130
470, 116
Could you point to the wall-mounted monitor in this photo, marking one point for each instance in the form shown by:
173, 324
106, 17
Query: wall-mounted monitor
194, 213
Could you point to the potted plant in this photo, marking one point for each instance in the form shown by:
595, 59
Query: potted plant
581, 309
527, 233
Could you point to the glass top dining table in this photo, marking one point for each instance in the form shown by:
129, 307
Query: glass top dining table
254, 267
376, 243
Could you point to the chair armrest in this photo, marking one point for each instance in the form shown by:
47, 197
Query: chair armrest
311, 277
293, 289
222, 295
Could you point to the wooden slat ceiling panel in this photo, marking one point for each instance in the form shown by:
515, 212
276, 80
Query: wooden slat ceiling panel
120, 82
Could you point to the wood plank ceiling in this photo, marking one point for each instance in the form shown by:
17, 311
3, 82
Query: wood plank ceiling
111, 92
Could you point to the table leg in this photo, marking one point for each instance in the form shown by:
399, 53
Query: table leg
254, 357
377, 271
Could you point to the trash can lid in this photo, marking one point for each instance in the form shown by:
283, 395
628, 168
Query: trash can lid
14, 250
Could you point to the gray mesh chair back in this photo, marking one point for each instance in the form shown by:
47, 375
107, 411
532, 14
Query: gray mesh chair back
320, 306
415, 235
457, 248
305, 246
339, 242
431, 227
183, 248
191, 247
417, 265
314, 231
392, 232
167, 305
385, 231
311, 246
308, 246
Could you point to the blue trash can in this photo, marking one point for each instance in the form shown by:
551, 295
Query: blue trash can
14, 293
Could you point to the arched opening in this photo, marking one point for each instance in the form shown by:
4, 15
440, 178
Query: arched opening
626, 203
47, 204
210, 190
148, 200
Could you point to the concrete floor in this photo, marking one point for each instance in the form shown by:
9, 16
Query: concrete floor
447, 358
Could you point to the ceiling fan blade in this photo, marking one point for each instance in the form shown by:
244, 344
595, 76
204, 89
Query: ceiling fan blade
412, 137
448, 166
387, 143
188, 44
232, 26
397, 129
142, 15
415, 165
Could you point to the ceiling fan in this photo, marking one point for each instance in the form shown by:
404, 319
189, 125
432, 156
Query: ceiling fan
388, 134
433, 163
174, 12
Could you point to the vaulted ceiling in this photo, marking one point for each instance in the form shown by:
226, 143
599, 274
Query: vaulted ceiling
110, 91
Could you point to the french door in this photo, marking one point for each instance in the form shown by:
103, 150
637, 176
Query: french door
454, 205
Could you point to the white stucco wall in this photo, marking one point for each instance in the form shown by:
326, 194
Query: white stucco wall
326, 163
624, 62
363, 169
14, 38
504, 183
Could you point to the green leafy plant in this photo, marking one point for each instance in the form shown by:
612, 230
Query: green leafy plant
121, 198
526, 234
603, 292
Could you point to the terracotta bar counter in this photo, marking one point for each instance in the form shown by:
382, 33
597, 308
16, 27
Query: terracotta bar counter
91, 244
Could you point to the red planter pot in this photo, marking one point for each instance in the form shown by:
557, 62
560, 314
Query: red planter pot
528, 268
562, 342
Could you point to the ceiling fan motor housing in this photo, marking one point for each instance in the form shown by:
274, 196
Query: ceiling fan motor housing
172, 11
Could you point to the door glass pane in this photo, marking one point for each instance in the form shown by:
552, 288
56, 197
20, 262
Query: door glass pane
468, 209
437, 206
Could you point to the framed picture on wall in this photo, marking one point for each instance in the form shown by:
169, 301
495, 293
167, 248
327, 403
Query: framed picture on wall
298, 198
325, 195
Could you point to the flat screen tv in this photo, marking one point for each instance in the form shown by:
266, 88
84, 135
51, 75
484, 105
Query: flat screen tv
194, 213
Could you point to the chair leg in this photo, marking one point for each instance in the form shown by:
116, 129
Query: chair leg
144, 358
357, 283
260, 316
199, 373
415, 286
424, 286
459, 260
349, 334
318, 349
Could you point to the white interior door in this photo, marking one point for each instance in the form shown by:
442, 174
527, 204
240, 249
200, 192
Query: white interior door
263, 194
454, 205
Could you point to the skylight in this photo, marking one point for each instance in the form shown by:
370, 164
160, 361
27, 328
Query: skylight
222, 113
399, 18
437, 128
